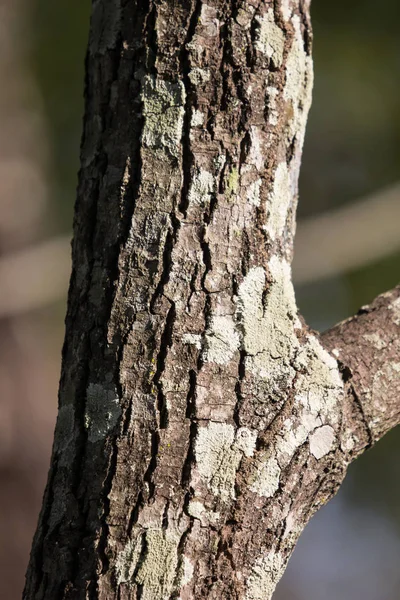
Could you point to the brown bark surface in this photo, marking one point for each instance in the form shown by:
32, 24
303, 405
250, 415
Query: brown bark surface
201, 423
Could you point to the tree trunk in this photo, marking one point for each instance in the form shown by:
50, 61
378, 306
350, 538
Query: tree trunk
201, 423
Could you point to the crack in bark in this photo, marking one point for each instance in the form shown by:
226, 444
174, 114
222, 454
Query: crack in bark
165, 344
187, 154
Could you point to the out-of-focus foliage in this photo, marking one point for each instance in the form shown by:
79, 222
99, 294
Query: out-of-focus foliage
353, 136
58, 33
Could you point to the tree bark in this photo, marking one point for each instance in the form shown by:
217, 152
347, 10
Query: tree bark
201, 423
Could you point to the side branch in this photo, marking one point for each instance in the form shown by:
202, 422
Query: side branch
367, 347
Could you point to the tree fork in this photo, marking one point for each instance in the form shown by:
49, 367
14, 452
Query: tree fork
201, 423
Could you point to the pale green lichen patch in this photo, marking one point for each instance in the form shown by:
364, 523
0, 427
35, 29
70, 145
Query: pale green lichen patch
199, 76
127, 560
192, 339
385, 384
267, 477
221, 340
266, 572
321, 441
244, 16
232, 182
158, 570
102, 411
203, 184
376, 340
218, 453
278, 202
270, 39
299, 82
268, 326
216, 459
163, 111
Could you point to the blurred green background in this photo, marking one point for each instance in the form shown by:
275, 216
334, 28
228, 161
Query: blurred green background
351, 549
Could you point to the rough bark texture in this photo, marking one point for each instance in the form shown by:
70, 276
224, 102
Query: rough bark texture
200, 422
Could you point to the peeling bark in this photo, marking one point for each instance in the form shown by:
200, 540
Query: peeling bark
201, 423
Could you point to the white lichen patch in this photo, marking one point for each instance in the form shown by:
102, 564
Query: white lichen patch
268, 326
163, 111
273, 115
266, 481
221, 340
319, 386
102, 411
193, 339
126, 177
203, 183
267, 318
319, 389
197, 118
253, 192
197, 510
219, 162
246, 440
264, 577
199, 76
294, 434
270, 39
278, 202
218, 453
376, 340
209, 21
395, 308
348, 442
299, 82
127, 560
158, 570
321, 441
255, 156
188, 571
286, 9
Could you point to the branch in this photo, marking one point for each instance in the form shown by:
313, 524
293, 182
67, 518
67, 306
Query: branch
367, 347
368, 230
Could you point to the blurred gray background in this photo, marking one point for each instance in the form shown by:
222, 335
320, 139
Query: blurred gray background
348, 251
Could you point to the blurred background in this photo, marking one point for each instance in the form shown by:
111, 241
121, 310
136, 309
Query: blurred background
348, 251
